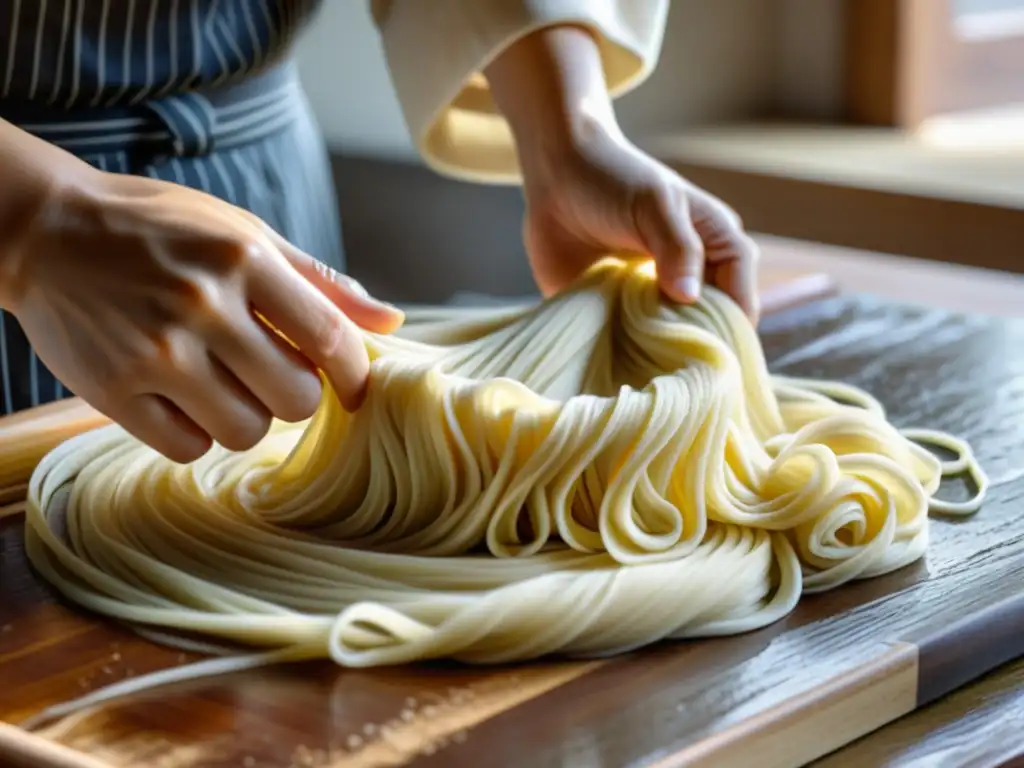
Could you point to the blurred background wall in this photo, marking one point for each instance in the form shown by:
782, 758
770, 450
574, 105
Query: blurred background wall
722, 60
414, 236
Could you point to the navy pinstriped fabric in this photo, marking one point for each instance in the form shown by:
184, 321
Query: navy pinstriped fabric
197, 92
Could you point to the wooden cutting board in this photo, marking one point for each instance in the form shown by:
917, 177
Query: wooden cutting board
842, 665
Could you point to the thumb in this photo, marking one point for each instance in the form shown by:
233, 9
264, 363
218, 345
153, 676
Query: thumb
346, 293
668, 232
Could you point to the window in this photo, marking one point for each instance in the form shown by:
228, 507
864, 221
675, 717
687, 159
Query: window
910, 60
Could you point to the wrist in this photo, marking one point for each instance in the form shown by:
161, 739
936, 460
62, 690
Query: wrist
38, 177
551, 89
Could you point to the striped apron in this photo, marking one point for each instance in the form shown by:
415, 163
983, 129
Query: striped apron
198, 92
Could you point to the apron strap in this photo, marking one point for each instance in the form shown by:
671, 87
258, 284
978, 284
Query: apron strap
186, 124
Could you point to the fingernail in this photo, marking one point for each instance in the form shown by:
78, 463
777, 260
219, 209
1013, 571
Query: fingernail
689, 286
356, 287
354, 400
388, 306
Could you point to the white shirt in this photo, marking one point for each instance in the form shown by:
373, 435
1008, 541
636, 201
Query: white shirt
437, 49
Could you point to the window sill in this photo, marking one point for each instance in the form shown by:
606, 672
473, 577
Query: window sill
869, 188
943, 162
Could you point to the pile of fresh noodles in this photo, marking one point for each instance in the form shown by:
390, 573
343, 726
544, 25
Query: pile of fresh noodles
584, 476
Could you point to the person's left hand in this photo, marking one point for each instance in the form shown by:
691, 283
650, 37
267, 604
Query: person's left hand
590, 193
601, 194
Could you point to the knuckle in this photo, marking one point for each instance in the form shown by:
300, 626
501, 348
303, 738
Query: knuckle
183, 451
330, 337
655, 195
731, 217
663, 220
353, 285
246, 432
203, 299
298, 410
690, 247
140, 366
209, 265
158, 355
647, 205
236, 253
749, 249
303, 400
168, 348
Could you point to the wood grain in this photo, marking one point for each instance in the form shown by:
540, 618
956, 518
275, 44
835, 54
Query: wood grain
905, 62
965, 374
790, 733
874, 63
979, 725
20, 749
880, 220
29, 435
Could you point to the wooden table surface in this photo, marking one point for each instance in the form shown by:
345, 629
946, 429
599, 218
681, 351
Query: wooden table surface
930, 367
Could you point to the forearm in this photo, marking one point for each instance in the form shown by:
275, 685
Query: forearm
550, 86
30, 171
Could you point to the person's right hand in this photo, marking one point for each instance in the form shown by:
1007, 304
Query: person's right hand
148, 300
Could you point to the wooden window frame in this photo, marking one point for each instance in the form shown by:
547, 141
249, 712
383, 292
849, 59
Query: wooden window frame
908, 60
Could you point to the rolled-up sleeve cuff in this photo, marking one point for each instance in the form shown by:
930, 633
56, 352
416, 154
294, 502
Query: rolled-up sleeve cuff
437, 50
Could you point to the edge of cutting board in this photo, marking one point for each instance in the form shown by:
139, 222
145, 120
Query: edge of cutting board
794, 727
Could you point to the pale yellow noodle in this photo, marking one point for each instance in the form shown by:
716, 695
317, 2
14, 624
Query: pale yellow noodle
589, 475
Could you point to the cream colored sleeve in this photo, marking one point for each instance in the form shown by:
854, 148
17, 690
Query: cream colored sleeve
437, 49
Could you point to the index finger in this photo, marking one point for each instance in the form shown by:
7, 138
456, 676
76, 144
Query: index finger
735, 273
321, 331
